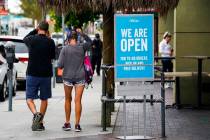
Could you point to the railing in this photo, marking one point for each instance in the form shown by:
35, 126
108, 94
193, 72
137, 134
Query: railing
105, 99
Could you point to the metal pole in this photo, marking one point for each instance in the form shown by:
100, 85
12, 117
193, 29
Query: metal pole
43, 13
103, 117
162, 105
124, 117
63, 28
175, 37
54, 73
10, 89
104, 79
151, 98
144, 111
177, 98
199, 83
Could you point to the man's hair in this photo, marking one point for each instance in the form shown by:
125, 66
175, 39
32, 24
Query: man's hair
43, 26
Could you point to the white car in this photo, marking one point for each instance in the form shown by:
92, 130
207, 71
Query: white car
4, 81
91, 36
21, 53
58, 38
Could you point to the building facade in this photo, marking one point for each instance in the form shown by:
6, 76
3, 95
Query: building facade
190, 25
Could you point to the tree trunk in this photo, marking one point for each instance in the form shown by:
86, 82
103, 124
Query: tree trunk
108, 57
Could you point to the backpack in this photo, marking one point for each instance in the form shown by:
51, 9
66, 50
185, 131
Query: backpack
88, 70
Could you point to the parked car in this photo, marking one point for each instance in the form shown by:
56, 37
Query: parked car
91, 36
21, 53
4, 81
23, 31
58, 38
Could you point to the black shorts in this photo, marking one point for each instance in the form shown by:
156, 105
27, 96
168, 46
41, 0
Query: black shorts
167, 65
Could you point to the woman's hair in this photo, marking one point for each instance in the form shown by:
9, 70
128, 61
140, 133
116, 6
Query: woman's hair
73, 35
167, 34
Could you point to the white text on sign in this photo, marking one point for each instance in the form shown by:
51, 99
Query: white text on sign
134, 40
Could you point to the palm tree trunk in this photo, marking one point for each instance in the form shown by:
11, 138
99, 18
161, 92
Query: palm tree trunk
108, 58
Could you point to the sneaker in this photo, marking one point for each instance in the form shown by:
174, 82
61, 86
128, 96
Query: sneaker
78, 128
170, 85
66, 127
167, 85
36, 121
41, 127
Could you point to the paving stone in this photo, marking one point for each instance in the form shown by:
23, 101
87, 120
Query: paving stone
184, 124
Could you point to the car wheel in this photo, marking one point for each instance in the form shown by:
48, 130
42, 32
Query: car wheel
3, 91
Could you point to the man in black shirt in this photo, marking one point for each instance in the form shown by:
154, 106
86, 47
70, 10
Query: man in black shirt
39, 71
97, 54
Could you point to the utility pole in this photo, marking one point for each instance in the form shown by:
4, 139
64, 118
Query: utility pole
43, 13
63, 28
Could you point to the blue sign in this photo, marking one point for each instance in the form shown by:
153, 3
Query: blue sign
134, 47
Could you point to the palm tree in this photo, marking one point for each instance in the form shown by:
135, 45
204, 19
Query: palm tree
107, 8
163, 6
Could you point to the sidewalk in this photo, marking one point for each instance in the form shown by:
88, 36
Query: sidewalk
16, 125
184, 124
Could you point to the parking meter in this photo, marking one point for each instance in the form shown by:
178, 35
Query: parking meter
10, 57
10, 54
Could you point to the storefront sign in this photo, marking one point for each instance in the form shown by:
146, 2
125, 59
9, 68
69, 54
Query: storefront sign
134, 47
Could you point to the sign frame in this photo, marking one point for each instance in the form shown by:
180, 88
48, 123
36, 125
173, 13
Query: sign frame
139, 78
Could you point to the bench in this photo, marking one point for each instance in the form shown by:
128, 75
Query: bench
177, 76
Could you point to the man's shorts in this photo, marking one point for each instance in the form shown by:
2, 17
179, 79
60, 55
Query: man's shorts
72, 83
35, 84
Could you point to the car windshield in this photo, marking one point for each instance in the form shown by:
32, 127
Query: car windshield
20, 47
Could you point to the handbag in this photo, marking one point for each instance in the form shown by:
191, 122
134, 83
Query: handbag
88, 70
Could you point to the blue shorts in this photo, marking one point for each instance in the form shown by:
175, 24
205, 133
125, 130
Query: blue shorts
35, 84
72, 83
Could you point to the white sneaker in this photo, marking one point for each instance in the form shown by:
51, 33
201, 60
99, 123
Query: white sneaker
170, 85
167, 85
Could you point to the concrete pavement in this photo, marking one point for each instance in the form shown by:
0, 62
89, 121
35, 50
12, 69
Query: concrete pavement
184, 124
16, 125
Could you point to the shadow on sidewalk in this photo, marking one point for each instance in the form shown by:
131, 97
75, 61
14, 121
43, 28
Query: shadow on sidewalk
95, 137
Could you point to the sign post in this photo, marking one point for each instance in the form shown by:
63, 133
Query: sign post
134, 59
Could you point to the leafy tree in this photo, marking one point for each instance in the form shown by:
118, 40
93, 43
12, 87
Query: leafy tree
31, 9
74, 19
58, 21
79, 19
